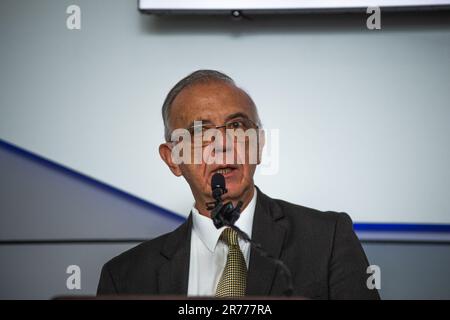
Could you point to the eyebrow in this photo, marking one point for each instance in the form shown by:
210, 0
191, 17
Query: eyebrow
197, 120
237, 115
228, 118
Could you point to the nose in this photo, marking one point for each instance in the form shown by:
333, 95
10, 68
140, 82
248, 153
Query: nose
223, 140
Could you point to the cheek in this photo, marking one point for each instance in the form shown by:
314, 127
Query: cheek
248, 171
194, 174
243, 176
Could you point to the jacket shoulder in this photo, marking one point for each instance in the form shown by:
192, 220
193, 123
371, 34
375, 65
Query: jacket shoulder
312, 216
146, 254
135, 270
313, 227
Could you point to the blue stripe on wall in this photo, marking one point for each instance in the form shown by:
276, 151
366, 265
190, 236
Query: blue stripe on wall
89, 180
402, 227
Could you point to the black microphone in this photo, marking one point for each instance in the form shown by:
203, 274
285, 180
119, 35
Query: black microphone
226, 215
222, 214
218, 186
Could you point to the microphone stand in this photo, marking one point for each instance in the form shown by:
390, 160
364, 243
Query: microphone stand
226, 215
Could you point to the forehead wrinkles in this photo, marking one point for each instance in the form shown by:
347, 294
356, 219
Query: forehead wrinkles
193, 102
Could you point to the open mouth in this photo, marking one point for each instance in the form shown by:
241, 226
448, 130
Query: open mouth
226, 171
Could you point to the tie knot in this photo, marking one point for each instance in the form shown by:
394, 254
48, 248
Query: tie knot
230, 237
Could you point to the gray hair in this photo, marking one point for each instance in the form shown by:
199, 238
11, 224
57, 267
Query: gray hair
199, 76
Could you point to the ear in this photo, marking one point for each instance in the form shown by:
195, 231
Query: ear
261, 143
165, 151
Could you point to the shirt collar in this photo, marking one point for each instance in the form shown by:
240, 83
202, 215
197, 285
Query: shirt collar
209, 234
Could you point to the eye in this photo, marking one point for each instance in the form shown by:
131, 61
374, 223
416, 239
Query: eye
236, 125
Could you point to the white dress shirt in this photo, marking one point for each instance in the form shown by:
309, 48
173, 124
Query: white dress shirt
209, 255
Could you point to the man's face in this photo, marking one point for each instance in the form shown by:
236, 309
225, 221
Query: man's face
215, 104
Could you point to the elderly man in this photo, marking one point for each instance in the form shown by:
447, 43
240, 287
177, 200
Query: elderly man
318, 249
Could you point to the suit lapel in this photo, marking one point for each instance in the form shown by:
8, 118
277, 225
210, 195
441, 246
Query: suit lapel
174, 275
270, 234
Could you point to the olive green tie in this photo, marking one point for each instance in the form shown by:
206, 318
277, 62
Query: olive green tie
234, 276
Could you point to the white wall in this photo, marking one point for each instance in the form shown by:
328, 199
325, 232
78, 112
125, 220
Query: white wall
363, 115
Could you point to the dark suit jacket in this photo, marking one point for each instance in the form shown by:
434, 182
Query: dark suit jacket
320, 248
